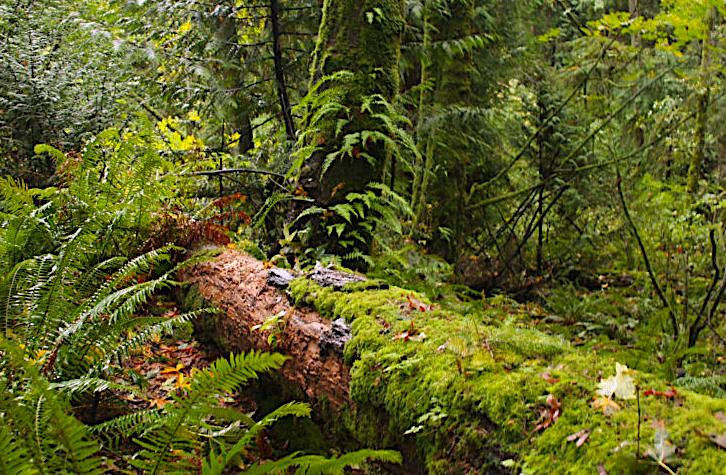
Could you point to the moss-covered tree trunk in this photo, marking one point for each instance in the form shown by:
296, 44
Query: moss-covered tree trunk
476, 388
363, 37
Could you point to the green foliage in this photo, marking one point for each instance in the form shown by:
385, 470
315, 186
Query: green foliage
171, 446
40, 433
62, 82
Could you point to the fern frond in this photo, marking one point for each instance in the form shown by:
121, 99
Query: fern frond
13, 455
223, 375
215, 463
130, 424
88, 384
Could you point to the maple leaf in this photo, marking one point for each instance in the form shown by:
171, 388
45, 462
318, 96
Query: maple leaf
606, 405
621, 385
662, 449
171, 370
158, 402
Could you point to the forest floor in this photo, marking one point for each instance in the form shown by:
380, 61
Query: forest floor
493, 385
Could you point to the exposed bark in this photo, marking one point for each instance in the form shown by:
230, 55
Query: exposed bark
238, 285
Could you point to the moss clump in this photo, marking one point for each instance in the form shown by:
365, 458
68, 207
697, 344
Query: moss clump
466, 390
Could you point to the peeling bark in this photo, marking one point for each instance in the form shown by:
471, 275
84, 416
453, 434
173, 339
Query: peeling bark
238, 285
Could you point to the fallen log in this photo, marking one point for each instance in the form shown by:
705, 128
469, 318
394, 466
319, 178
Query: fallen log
247, 292
471, 389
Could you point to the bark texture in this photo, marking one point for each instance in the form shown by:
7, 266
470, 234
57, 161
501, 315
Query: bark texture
238, 285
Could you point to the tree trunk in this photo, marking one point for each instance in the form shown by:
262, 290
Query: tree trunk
280, 71
704, 85
236, 105
453, 87
364, 37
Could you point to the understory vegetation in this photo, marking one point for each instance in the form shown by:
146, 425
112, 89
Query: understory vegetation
534, 191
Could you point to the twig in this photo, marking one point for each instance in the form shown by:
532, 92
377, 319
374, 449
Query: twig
644, 253
234, 170
637, 450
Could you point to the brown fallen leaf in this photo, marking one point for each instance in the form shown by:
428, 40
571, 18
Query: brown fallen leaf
417, 304
546, 376
719, 440
158, 402
581, 436
549, 415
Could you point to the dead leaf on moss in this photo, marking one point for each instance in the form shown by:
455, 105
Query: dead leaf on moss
546, 376
417, 304
580, 437
606, 405
719, 440
662, 448
668, 394
621, 385
549, 415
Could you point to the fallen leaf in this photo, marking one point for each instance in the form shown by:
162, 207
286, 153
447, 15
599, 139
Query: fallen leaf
606, 405
420, 337
621, 385
549, 415
662, 449
719, 440
720, 416
668, 394
182, 382
158, 402
416, 304
401, 336
580, 436
171, 370
546, 376
583, 438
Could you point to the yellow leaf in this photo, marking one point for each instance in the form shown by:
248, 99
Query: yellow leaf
177, 369
622, 384
182, 382
186, 26
606, 405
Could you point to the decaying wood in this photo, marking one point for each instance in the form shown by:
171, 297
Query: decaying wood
248, 293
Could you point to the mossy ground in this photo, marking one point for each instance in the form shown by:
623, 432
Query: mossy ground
469, 393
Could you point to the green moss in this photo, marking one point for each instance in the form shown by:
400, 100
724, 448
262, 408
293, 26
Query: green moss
470, 392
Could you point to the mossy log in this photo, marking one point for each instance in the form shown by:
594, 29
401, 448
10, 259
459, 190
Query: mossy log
458, 391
